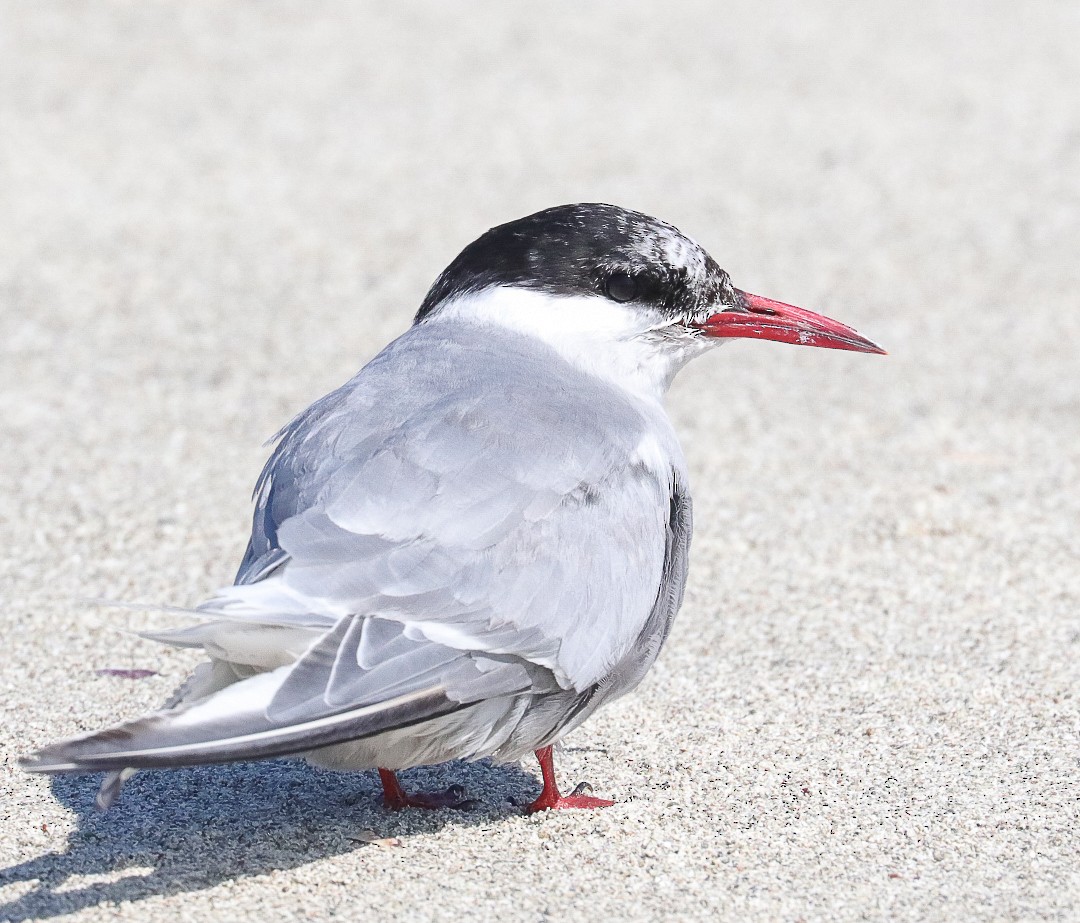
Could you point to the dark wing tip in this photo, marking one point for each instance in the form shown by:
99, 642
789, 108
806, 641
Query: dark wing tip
154, 742
49, 760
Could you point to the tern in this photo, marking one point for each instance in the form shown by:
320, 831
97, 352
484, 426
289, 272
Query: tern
482, 537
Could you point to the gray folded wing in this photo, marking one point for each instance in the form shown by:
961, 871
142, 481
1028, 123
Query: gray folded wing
468, 518
482, 493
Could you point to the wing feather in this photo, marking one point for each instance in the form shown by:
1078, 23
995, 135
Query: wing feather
518, 520
466, 519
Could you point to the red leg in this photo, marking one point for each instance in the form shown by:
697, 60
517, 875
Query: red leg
395, 797
551, 800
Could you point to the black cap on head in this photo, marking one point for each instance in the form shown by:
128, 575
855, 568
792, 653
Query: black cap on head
589, 249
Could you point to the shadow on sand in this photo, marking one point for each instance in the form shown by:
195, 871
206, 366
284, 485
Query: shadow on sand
190, 829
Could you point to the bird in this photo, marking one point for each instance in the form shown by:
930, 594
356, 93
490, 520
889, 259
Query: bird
482, 537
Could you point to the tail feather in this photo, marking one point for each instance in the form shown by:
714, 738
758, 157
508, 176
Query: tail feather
172, 738
358, 680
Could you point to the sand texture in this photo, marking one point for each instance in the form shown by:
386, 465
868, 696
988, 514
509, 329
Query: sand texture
211, 214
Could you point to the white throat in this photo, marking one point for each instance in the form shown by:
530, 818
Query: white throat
638, 349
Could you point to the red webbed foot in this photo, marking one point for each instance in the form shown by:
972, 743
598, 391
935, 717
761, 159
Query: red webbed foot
395, 798
551, 800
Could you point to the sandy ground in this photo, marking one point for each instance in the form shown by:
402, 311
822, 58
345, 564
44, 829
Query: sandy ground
210, 214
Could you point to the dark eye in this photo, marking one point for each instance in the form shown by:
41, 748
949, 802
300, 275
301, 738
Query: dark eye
621, 286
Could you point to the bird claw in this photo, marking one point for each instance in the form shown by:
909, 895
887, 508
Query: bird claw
581, 797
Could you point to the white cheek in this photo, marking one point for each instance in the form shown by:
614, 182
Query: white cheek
615, 342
